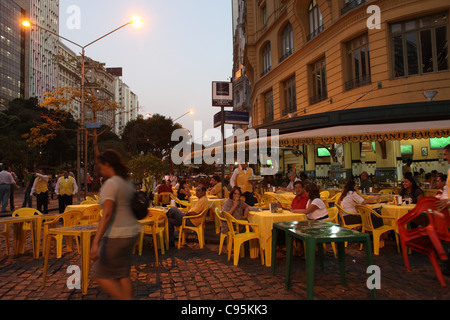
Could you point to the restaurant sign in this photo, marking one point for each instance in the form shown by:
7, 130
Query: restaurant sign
401, 135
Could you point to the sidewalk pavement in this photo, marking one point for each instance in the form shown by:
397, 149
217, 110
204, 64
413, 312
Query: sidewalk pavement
192, 273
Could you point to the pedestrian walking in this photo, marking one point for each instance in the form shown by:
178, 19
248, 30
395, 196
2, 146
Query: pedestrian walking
65, 188
118, 229
28, 183
40, 188
12, 186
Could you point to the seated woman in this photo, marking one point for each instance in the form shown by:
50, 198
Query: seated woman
411, 190
350, 199
315, 208
236, 207
183, 192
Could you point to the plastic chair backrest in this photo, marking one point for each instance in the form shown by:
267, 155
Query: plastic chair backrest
88, 202
366, 217
441, 222
24, 212
92, 213
230, 220
341, 212
219, 216
165, 197
71, 218
333, 215
422, 206
325, 194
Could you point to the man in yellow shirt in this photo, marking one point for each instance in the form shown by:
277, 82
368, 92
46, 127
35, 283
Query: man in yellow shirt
40, 188
66, 187
175, 216
240, 178
216, 189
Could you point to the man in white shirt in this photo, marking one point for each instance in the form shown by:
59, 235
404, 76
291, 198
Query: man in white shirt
66, 187
6, 181
40, 188
292, 178
441, 183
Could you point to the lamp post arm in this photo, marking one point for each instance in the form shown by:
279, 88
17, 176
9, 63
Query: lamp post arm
107, 34
55, 34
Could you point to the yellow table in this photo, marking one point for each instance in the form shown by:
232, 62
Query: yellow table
285, 198
85, 232
430, 192
265, 220
80, 207
36, 229
392, 210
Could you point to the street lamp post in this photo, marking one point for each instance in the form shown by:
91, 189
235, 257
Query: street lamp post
189, 112
83, 130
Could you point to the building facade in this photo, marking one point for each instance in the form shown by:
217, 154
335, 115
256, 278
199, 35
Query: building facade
241, 85
41, 69
12, 42
316, 64
128, 103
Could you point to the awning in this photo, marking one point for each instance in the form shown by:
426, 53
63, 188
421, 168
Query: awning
368, 132
344, 134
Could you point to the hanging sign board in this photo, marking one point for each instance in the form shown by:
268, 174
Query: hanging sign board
231, 117
222, 94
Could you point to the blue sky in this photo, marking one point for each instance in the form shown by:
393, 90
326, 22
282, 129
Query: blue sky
171, 61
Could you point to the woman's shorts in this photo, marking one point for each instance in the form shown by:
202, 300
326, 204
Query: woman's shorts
114, 260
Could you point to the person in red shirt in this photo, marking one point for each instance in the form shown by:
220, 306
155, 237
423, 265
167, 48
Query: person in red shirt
300, 200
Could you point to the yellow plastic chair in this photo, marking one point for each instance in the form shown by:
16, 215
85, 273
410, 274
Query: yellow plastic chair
24, 212
325, 194
186, 204
342, 221
69, 218
90, 215
91, 199
333, 216
223, 236
161, 226
165, 198
366, 216
5, 233
89, 202
236, 239
226, 193
200, 229
334, 199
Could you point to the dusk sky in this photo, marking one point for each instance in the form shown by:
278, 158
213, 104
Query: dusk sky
171, 61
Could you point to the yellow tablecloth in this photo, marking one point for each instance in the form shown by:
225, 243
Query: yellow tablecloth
284, 197
430, 192
265, 219
392, 210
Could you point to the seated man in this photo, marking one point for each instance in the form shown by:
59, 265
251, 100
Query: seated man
175, 216
216, 188
300, 200
292, 179
441, 183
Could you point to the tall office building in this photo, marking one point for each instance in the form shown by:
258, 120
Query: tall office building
41, 70
127, 101
11, 53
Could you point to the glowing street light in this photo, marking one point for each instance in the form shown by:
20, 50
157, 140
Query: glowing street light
137, 22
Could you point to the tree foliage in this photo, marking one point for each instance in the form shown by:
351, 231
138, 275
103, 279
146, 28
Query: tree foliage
147, 165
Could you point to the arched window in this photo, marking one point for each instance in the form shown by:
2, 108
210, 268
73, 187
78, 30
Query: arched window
315, 19
287, 42
266, 59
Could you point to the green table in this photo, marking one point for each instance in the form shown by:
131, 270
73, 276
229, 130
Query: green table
314, 232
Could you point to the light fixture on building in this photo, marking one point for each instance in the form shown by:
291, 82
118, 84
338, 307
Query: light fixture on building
429, 94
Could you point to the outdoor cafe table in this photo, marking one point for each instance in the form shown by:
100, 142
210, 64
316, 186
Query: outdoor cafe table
80, 207
265, 220
36, 229
395, 211
314, 232
284, 197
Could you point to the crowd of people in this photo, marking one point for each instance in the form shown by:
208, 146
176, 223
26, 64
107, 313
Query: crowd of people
39, 185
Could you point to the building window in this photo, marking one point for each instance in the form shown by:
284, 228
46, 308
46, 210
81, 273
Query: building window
263, 14
287, 42
266, 59
318, 82
419, 46
290, 100
268, 106
358, 62
351, 4
315, 20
